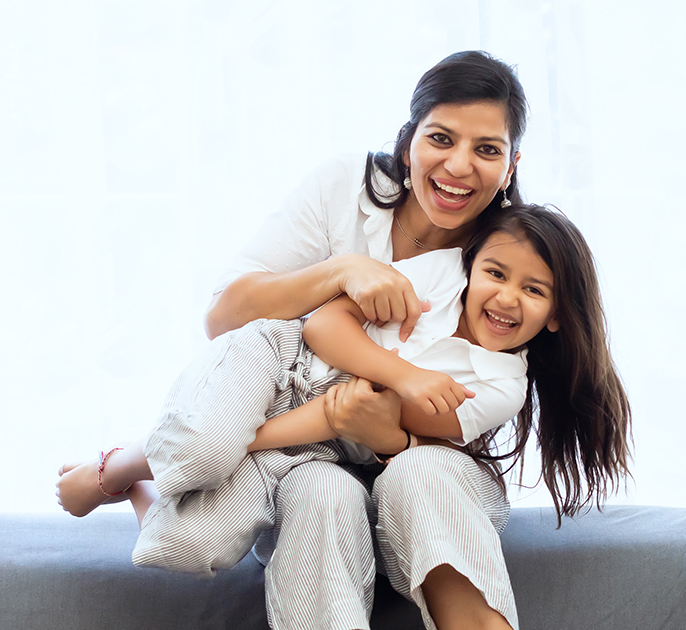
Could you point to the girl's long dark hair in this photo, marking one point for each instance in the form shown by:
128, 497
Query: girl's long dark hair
584, 417
463, 77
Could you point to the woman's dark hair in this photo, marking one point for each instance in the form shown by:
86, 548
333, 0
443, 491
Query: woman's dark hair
584, 417
463, 77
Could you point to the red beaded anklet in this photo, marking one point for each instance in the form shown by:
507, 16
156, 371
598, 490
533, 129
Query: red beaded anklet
101, 467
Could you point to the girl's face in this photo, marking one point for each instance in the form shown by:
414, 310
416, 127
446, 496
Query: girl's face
509, 296
459, 159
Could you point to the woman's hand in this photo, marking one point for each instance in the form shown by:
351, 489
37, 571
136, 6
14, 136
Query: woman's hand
433, 392
383, 294
355, 411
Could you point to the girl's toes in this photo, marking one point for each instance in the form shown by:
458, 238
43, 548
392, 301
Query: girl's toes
65, 468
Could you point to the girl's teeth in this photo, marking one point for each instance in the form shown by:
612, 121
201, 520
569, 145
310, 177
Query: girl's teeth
509, 322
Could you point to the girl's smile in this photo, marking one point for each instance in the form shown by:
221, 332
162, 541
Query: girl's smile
509, 297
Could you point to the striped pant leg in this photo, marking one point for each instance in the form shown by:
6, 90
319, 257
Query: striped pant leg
321, 575
217, 404
205, 530
437, 506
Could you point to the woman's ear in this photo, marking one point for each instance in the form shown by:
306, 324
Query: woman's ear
553, 326
511, 169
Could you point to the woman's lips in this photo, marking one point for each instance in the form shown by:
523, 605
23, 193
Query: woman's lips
450, 197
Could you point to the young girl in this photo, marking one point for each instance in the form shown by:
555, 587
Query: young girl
532, 287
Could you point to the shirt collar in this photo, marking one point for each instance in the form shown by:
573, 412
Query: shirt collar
377, 226
488, 364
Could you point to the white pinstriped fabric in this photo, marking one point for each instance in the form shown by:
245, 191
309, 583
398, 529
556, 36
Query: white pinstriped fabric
436, 506
216, 500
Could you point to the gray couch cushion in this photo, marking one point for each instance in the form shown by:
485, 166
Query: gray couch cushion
619, 570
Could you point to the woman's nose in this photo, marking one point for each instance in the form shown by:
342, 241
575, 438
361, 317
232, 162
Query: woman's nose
459, 162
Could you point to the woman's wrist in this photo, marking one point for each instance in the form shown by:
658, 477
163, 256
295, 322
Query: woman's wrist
410, 442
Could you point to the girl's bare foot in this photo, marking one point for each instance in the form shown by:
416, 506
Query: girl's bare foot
78, 491
65, 468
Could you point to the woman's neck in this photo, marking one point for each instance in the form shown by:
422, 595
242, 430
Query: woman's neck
414, 234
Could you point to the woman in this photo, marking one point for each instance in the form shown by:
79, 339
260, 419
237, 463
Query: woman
453, 161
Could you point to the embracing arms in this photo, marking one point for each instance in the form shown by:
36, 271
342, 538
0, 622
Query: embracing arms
382, 294
429, 398
336, 336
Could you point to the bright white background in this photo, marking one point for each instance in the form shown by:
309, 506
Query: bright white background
142, 142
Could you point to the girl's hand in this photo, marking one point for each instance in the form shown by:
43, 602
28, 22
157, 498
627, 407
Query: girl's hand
383, 294
355, 411
433, 392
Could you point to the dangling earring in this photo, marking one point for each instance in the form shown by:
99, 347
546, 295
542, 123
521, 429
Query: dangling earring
407, 182
505, 203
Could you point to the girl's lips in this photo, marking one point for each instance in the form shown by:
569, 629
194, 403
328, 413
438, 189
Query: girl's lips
497, 326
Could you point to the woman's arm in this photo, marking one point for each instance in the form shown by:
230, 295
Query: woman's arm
336, 335
382, 293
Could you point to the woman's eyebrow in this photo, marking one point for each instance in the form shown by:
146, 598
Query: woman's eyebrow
499, 139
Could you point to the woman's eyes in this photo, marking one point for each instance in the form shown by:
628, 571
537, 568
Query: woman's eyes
535, 291
489, 149
495, 273
441, 138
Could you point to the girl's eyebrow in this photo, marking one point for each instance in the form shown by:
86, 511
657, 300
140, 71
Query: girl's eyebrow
504, 267
448, 130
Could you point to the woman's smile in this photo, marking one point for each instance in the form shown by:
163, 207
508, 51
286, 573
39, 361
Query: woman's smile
459, 158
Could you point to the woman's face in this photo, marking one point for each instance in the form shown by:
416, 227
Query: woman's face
459, 159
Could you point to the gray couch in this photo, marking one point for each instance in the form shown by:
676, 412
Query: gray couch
623, 569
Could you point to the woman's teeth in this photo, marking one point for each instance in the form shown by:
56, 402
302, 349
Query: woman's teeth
452, 189
500, 322
451, 193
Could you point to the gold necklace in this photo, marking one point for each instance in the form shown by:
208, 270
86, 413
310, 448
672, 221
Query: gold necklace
414, 241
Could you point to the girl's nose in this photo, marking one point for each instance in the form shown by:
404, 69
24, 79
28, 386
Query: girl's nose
507, 296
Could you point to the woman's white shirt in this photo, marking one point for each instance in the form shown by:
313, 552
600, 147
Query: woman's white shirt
330, 214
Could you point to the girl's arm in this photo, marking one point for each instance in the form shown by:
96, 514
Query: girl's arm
419, 423
304, 425
336, 336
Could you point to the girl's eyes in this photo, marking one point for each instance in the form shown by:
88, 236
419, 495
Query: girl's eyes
498, 275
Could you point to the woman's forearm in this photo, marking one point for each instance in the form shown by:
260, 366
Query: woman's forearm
304, 425
274, 296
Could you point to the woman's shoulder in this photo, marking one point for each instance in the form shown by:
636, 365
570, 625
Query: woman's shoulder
344, 169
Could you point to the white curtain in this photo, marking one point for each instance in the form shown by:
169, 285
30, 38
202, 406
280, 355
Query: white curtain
142, 142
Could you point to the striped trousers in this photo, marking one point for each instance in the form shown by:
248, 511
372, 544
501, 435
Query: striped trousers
319, 520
